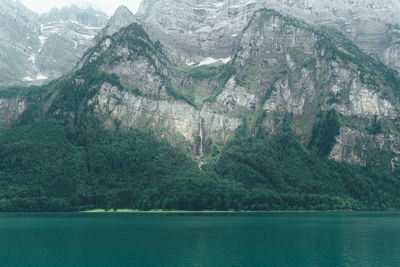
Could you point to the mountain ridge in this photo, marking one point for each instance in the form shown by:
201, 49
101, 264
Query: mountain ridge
150, 83
213, 23
36, 47
294, 120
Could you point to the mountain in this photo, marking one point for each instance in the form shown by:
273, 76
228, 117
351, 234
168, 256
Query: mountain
34, 48
289, 67
211, 29
292, 116
122, 17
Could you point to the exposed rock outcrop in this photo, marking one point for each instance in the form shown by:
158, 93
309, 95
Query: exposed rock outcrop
175, 119
358, 147
212, 28
121, 18
35, 48
10, 110
282, 66
283, 73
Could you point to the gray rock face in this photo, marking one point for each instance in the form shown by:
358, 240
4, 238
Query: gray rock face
174, 120
199, 29
289, 71
282, 66
121, 18
146, 103
35, 48
65, 34
211, 28
234, 95
357, 147
271, 45
274, 66
10, 110
365, 102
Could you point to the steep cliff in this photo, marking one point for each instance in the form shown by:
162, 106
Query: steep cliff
122, 17
211, 28
148, 95
281, 67
134, 126
34, 48
291, 67
10, 110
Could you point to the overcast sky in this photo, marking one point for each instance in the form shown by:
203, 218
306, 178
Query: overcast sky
108, 6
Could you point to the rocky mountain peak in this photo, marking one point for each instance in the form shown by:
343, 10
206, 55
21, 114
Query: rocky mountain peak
122, 11
254, 95
35, 48
210, 28
18, 12
121, 18
87, 16
279, 65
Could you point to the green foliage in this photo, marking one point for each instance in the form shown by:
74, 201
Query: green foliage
70, 162
179, 96
140, 45
134, 91
282, 175
21, 91
158, 46
43, 168
135, 38
268, 94
376, 126
39, 168
394, 33
310, 64
93, 77
227, 72
34, 97
203, 72
324, 133
29, 93
373, 72
339, 48
71, 95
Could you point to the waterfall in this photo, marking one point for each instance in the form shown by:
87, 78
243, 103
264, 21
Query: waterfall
201, 137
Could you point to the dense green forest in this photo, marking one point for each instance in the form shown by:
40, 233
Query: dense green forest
59, 157
46, 166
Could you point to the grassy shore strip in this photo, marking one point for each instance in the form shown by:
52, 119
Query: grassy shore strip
199, 211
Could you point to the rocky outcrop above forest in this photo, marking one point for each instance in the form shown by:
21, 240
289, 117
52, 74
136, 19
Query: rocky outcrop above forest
205, 71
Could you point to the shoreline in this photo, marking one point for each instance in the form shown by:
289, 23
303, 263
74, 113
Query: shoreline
206, 211
162, 211
216, 212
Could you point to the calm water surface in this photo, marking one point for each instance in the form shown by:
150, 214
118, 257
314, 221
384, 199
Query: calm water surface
287, 239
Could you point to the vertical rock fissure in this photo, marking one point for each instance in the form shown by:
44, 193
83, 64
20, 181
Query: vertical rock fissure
201, 136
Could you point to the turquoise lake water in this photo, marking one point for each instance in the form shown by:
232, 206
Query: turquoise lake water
265, 239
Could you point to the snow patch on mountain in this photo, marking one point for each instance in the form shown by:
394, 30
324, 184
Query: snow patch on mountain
210, 60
